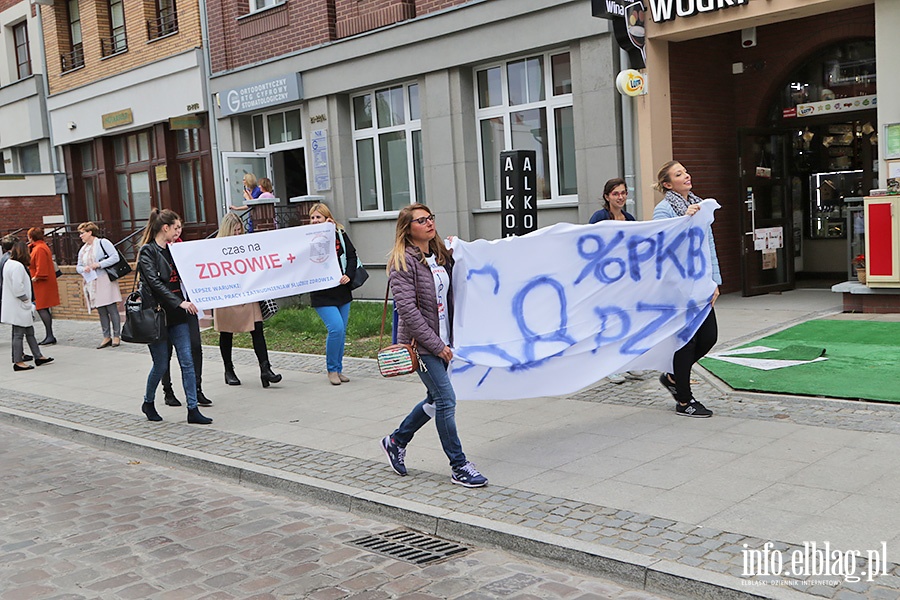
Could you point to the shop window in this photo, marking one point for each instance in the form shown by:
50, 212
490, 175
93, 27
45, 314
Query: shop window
190, 173
23, 53
74, 57
162, 18
133, 153
524, 105
387, 143
116, 42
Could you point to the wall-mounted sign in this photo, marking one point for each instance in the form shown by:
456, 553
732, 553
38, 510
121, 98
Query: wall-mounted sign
892, 141
161, 173
810, 109
631, 83
321, 170
187, 122
261, 95
518, 211
117, 119
628, 18
666, 10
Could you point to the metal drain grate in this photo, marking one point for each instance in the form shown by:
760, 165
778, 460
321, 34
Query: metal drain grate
410, 546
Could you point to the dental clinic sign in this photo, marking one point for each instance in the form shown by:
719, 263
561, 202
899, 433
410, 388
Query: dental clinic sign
261, 95
667, 10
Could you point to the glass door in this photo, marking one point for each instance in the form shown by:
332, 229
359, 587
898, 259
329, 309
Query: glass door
767, 249
238, 164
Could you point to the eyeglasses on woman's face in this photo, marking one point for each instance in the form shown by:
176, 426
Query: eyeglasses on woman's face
423, 220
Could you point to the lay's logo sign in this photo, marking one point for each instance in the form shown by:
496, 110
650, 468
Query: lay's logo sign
631, 82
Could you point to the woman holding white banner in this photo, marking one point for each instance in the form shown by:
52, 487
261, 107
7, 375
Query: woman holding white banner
229, 320
161, 283
675, 182
419, 272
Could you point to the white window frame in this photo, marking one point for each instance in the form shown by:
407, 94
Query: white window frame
267, 143
258, 5
550, 104
409, 126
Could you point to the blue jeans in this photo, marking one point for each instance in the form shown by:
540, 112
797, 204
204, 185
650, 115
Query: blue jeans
335, 319
442, 396
180, 338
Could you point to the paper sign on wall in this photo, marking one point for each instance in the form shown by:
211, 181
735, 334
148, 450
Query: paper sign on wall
768, 238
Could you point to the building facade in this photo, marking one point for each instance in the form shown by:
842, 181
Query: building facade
376, 104
127, 109
30, 188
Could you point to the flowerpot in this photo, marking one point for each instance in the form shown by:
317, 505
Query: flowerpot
861, 275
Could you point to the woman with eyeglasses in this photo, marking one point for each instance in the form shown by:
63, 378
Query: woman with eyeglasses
333, 305
419, 272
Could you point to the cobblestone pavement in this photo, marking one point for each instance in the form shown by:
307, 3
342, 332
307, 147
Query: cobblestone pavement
84, 523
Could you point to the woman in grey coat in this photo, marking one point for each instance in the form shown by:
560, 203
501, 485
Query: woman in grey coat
419, 271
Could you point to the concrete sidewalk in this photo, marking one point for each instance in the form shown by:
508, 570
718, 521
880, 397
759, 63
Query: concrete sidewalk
607, 478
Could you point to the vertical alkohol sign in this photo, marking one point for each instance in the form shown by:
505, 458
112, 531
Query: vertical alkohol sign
517, 184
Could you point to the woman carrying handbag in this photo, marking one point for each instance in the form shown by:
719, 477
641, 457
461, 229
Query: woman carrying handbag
419, 272
161, 284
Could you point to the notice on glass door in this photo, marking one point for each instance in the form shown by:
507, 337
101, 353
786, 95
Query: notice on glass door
768, 238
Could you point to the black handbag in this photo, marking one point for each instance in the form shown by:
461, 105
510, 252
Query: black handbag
145, 323
359, 277
120, 269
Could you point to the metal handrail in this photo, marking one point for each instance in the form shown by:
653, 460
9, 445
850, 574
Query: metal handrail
162, 25
113, 44
70, 61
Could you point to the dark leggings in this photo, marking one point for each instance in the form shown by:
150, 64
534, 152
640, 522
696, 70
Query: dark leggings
196, 353
259, 345
47, 319
694, 350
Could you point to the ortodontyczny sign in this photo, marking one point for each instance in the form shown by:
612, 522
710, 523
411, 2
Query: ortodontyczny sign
261, 95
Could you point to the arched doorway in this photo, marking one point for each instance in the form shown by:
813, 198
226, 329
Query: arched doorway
805, 170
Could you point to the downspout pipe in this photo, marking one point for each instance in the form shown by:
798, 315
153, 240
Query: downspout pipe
211, 111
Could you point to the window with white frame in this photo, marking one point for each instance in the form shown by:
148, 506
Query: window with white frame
387, 147
276, 128
256, 5
526, 104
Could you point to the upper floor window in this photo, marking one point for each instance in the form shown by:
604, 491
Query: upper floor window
526, 104
164, 20
116, 42
23, 53
276, 128
387, 145
256, 5
29, 158
74, 58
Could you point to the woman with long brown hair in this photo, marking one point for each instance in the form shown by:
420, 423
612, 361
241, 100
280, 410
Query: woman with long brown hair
16, 307
419, 271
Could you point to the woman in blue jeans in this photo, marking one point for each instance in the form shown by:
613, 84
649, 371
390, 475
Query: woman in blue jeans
333, 304
419, 272
161, 284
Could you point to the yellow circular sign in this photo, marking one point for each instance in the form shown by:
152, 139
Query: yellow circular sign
631, 82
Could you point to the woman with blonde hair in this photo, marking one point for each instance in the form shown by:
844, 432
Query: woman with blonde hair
419, 271
229, 320
333, 304
674, 181
100, 293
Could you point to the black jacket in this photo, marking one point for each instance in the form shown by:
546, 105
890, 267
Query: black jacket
339, 295
155, 273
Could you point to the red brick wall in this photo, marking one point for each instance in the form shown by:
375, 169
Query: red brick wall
709, 103
423, 7
356, 16
27, 211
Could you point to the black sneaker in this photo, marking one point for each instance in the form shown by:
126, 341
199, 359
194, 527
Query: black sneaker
202, 400
395, 454
171, 400
666, 383
692, 409
468, 476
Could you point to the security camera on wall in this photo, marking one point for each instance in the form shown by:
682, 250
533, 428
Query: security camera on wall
748, 37
71, 125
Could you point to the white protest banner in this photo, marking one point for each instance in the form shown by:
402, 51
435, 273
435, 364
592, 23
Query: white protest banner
558, 309
258, 266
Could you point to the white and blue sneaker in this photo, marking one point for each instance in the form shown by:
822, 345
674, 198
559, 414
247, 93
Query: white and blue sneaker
468, 476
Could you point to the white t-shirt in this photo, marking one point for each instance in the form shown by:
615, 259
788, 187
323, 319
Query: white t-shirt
441, 285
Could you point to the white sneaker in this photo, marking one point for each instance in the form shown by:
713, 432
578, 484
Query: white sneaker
616, 378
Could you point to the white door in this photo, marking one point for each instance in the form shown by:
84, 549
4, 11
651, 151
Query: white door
236, 165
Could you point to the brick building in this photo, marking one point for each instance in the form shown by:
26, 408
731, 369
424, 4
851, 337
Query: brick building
127, 110
374, 104
30, 190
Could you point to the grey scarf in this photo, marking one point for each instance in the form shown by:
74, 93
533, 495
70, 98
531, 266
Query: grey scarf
678, 202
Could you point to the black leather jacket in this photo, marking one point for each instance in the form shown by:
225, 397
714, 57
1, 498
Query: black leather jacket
155, 273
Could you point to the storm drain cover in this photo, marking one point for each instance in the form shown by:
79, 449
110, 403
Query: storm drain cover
410, 546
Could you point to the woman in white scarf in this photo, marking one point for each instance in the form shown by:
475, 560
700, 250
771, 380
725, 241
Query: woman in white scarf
99, 292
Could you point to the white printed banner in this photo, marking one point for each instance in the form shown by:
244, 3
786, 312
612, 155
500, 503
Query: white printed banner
258, 266
558, 309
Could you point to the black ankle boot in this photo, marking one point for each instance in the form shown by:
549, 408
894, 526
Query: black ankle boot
202, 400
170, 398
266, 374
196, 418
230, 377
150, 410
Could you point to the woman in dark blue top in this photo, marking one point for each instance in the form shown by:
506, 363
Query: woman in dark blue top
615, 193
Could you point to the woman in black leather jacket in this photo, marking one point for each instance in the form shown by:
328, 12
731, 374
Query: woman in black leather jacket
161, 284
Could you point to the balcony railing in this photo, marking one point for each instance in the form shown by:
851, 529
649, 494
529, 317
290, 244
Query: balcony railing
113, 44
165, 24
72, 60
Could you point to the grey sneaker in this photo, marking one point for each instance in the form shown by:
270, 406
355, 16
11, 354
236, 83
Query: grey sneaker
692, 409
395, 455
616, 378
468, 476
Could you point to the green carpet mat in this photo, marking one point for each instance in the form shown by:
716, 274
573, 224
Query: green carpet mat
863, 361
